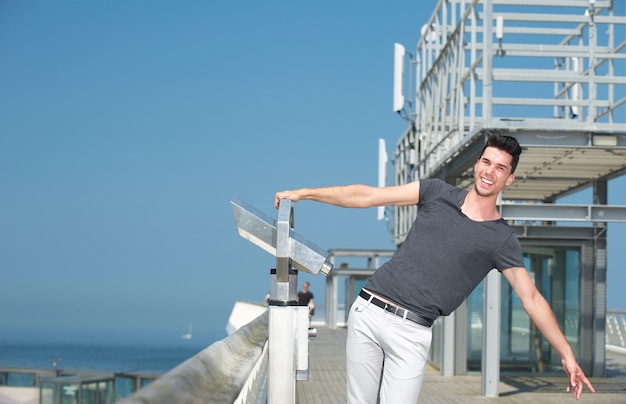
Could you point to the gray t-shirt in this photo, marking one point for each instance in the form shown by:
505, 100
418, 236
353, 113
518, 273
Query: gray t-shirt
445, 254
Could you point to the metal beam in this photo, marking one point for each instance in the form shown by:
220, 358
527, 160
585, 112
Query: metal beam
360, 252
554, 3
339, 271
554, 233
563, 213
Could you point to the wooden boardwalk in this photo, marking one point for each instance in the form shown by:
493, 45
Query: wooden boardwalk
327, 381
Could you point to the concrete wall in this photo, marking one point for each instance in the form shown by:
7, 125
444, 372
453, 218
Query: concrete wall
19, 395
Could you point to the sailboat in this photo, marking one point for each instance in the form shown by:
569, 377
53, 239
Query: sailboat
189, 335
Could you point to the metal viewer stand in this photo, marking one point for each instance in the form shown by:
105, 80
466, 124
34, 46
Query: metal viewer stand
288, 323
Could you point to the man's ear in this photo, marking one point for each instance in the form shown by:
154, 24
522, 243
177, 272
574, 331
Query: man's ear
510, 180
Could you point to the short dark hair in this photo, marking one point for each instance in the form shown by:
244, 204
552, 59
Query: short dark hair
505, 143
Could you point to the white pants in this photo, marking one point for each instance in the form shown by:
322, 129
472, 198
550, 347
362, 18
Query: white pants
386, 356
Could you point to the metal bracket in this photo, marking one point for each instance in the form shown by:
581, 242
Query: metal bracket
262, 230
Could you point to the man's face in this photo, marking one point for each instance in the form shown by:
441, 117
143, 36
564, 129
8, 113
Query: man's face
492, 172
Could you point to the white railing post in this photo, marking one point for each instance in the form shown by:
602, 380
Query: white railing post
288, 323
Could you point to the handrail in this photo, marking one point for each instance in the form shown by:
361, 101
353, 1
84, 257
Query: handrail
215, 375
616, 329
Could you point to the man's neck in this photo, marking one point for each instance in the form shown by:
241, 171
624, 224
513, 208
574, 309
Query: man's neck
480, 208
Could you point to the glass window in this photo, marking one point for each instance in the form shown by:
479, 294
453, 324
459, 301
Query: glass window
69, 393
47, 392
556, 273
19, 379
124, 386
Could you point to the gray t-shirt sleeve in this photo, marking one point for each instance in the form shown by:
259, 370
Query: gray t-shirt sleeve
509, 255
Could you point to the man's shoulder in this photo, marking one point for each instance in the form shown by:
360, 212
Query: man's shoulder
437, 183
430, 187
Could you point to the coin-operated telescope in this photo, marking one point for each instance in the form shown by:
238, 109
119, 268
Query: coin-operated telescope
288, 323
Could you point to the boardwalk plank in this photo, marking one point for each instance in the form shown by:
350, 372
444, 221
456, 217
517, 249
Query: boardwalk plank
327, 380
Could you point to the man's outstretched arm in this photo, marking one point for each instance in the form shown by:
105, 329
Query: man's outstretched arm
542, 315
355, 196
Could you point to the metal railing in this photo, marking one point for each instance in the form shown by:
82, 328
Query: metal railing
616, 330
232, 370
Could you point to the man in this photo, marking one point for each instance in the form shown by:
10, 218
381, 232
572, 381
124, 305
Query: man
305, 298
456, 239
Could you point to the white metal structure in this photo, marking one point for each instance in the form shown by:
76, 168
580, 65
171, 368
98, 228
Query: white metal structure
551, 72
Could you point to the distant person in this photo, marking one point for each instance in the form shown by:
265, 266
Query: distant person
457, 238
305, 298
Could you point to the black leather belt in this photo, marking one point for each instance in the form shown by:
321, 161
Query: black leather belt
398, 311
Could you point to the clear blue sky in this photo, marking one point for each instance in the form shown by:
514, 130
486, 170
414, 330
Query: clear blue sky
126, 128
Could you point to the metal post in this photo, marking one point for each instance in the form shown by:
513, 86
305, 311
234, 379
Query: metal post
491, 336
593, 39
332, 284
281, 374
593, 362
281, 383
448, 351
288, 326
487, 62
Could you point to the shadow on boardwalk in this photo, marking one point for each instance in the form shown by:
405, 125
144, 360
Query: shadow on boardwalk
327, 381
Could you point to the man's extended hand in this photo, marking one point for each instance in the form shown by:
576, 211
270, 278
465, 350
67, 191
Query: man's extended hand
285, 195
577, 378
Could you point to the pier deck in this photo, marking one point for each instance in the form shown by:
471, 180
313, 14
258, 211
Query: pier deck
327, 380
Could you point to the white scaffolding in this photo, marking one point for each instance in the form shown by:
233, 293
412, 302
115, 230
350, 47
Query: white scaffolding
550, 72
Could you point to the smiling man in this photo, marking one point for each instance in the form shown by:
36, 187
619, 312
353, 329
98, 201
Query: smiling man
458, 237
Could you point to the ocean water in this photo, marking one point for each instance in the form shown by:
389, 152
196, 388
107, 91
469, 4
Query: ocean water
150, 359
155, 356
